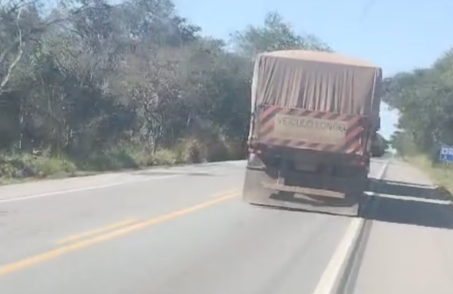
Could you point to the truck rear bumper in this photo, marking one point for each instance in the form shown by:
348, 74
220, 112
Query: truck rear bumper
303, 190
263, 188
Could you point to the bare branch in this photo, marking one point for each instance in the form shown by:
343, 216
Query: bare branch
19, 41
16, 60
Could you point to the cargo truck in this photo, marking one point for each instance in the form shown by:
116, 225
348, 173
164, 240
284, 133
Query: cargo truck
313, 118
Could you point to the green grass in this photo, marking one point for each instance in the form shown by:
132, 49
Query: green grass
16, 167
441, 175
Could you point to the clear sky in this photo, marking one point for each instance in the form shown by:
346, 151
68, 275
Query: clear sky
397, 35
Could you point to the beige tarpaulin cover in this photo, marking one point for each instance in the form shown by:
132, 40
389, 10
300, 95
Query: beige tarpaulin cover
319, 81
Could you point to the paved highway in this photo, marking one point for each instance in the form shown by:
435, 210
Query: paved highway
185, 230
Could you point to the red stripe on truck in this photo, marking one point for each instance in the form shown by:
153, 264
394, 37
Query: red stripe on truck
314, 130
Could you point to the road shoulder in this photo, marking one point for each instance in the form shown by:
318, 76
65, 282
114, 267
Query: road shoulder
409, 247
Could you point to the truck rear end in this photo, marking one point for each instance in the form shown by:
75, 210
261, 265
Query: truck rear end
313, 114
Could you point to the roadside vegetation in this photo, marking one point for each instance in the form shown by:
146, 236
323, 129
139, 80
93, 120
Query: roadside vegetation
424, 99
91, 86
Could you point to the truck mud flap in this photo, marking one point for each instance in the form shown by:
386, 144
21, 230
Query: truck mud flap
254, 192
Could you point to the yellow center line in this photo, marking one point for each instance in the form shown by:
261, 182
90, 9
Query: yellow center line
96, 231
16, 266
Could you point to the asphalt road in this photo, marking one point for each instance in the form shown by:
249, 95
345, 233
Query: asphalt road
409, 247
185, 230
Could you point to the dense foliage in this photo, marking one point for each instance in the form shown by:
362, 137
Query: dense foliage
103, 86
424, 99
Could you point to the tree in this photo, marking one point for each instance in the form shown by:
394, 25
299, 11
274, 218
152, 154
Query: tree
274, 34
106, 84
424, 98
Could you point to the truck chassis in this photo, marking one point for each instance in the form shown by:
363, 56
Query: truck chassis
328, 187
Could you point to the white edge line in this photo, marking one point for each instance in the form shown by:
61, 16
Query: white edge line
327, 282
43, 195
411, 198
48, 194
333, 269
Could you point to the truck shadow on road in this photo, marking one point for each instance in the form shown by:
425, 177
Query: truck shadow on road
404, 203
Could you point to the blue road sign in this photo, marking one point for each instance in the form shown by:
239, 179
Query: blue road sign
446, 154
